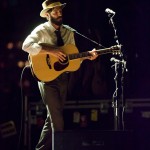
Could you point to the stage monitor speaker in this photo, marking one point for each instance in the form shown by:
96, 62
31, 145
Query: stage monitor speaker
93, 140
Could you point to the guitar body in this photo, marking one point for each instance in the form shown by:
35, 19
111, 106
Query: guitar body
46, 67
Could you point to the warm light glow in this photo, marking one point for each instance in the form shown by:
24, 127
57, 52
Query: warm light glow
10, 45
27, 63
21, 64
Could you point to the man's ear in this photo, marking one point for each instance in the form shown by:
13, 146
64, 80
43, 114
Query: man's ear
46, 14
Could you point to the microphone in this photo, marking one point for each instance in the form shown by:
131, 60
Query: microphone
116, 60
109, 11
70, 28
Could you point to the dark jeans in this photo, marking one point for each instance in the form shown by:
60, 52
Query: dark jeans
54, 95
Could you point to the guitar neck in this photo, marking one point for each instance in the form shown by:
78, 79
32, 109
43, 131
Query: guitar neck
104, 51
86, 54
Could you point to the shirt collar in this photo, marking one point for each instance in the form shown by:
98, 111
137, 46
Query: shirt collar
52, 29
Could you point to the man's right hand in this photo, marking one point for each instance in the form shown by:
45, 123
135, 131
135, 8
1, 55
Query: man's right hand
58, 53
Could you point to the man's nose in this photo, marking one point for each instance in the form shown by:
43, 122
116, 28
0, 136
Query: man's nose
59, 13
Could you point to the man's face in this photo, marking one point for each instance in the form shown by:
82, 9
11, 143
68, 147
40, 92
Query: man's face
56, 16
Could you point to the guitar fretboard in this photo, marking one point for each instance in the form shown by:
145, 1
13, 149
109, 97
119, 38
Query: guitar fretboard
86, 54
78, 55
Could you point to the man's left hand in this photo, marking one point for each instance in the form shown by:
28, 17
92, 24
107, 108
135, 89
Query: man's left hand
94, 54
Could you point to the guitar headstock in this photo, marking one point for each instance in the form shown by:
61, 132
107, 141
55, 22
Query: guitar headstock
116, 49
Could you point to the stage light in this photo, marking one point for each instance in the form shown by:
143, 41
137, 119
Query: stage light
10, 45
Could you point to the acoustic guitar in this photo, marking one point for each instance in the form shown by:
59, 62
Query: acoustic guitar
46, 67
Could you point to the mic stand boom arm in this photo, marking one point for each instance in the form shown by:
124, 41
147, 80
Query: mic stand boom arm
72, 29
89, 39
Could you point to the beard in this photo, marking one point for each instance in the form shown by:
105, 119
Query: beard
57, 21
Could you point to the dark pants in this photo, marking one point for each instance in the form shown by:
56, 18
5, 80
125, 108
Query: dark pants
54, 95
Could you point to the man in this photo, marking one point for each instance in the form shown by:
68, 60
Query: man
54, 92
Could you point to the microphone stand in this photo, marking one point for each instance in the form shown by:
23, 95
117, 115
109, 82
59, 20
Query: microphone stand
118, 101
115, 103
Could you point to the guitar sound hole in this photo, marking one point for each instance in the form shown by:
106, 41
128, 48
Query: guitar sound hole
61, 65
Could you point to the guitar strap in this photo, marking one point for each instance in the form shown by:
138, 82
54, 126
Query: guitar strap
60, 41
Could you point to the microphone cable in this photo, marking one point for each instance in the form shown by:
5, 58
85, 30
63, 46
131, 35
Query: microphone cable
22, 108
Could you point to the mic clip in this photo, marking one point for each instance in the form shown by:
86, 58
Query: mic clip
116, 60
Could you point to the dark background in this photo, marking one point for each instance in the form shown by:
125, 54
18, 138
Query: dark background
95, 79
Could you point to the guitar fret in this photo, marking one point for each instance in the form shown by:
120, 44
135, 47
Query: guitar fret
85, 54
